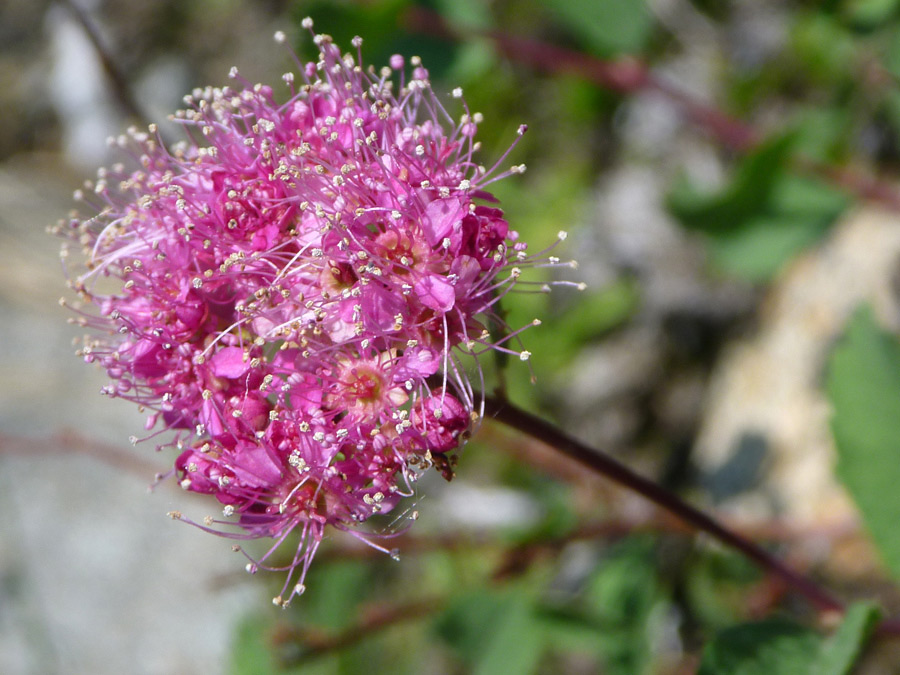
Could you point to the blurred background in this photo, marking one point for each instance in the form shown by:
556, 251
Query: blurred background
726, 171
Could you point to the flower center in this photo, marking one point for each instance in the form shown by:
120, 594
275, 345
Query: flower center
365, 385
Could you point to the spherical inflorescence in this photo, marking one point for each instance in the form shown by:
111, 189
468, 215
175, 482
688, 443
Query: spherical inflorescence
291, 289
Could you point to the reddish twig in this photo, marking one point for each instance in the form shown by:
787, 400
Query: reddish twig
312, 642
607, 466
68, 442
610, 528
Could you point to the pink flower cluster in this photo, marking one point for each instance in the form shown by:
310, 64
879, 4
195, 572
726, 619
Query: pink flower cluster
287, 293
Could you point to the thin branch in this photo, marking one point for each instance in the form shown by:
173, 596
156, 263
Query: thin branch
69, 442
311, 642
117, 79
409, 544
537, 428
526, 423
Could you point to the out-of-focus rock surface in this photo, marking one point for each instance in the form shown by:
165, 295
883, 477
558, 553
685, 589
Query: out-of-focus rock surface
88, 561
94, 578
767, 389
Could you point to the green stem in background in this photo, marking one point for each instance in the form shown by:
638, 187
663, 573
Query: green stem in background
526, 423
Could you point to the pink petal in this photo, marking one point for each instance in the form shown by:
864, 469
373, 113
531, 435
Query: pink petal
254, 467
229, 362
436, 292
211, 419
440, 217
422, 361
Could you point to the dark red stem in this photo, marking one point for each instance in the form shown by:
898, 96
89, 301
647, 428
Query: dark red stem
535, 427
312, 643
526, 423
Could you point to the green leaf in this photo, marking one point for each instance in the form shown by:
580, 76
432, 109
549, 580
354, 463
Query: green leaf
622, 596
773, 647
250, 652
716, 586
516, 644
601, 311
841, 651
566, 630
779, 647
824, 133
892, 56
764, 216
607, 26
744, 197
824, 50
589, 316
494, 632
758, 250
336, 589
797, 213
864, 388
869, 14
801, 196
466, 624
466, 13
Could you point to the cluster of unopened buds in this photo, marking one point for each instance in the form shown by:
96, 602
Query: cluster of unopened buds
290, 293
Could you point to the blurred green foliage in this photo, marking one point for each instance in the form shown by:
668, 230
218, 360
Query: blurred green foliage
863, 382
764, 216
825, 95
493, 632
839, 654
606, 27
771, 647
780, 647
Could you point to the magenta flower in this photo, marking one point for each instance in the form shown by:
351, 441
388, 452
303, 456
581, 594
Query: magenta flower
286, 293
